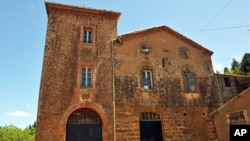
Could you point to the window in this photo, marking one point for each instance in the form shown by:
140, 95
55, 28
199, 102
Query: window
87, 36
147, 79
184, 52
227, 82
86, 77
190, 84
144, 48
237, 117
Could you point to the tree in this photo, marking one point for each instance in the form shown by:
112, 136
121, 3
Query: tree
227, 71
235, 67
240, 68
12, 133
245, 64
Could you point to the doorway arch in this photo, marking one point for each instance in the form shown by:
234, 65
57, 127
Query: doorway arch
84, 124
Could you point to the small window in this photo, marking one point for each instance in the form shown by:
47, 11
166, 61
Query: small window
227, 82
87, 36
190, 82
86, 77
237, 117
144, 48
147, 79
149, 116
184, 52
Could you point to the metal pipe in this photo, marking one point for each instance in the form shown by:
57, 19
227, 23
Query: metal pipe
113, 85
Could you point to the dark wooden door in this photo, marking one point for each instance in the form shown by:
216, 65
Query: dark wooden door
84, 132
150, 127
84, 125
150, 131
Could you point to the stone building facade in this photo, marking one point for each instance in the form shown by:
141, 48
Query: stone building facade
153, 84
157, 70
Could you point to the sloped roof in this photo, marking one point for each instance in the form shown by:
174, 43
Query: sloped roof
231, 100
84, 10
170, 31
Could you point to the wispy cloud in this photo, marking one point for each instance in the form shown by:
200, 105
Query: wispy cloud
18, 114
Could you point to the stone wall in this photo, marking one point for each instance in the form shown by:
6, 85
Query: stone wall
182, 123
184, 114
235, 85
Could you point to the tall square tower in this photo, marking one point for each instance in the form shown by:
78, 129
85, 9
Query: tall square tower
76, 85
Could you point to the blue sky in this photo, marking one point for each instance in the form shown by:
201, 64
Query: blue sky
221, 26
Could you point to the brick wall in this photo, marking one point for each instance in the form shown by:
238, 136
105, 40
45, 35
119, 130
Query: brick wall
64, 56
236, 84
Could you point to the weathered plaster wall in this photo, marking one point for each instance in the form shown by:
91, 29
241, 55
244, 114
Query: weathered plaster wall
168, 79
184, 114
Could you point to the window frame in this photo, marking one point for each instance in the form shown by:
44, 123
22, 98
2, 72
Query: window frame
87, 36
84, 42
85, 82
190, 81
147, 87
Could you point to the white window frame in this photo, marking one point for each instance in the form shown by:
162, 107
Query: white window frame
86, 79
149, 82
87, 36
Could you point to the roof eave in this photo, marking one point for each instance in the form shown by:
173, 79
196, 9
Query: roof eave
82, 10
163, 27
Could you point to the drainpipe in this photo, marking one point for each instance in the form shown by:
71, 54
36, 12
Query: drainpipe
113, 84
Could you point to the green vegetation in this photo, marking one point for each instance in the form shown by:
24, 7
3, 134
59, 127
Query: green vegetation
13, 133
239, 68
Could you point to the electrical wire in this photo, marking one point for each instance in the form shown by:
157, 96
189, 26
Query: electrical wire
227, 4
216, 29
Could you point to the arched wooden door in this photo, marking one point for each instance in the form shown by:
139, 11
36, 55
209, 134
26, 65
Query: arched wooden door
150, 127
84, 125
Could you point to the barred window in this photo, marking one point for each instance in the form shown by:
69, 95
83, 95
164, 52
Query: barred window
236, 117
149, 116
84, 116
